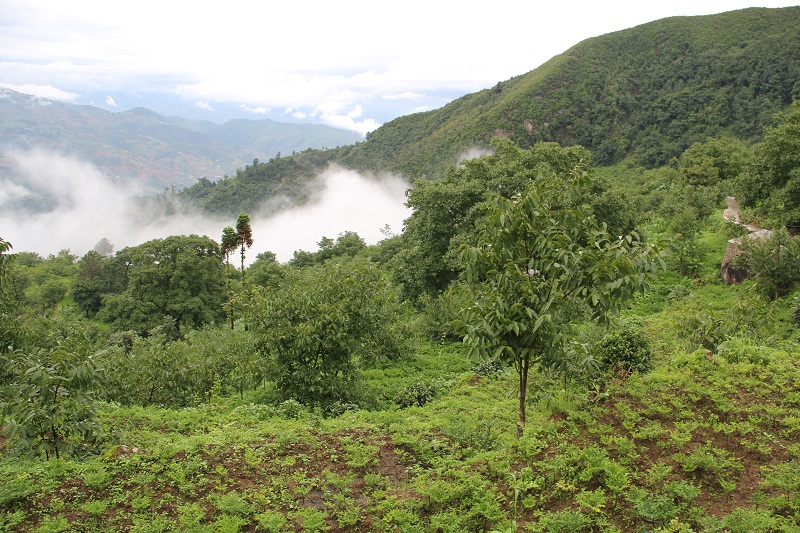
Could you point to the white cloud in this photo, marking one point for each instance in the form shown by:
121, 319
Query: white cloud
224, 55
42, 91
345, 201
90, 207
258, 110
202, 104
110, 101
407, 95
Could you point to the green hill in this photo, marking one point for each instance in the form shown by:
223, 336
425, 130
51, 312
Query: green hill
648, 92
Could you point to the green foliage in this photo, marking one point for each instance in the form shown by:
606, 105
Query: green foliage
445, 211
181, 278
796, 310
279, 177
417, 394
625, 350
538, 265
180, 373
773, 261
244, 234
771, 186
719, 159
347, 245
322, 324
265, 270
490, 368
49, 403
10, 331
95, 279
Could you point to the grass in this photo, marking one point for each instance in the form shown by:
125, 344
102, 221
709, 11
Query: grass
696, 444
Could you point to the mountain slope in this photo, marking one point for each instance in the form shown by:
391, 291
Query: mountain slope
649, 91
153, 150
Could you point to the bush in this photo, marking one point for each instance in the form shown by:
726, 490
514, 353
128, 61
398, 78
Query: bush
491, 368
624, 350
417, 394
796, 310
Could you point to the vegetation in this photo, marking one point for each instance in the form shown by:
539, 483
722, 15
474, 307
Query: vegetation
339, 396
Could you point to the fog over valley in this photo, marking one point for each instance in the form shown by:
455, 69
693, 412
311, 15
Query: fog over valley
78, 206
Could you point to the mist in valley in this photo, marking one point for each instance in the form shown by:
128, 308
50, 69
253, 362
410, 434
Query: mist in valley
51, 201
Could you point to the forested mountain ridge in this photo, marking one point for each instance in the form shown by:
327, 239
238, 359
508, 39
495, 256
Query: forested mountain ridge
647, 92
153, 150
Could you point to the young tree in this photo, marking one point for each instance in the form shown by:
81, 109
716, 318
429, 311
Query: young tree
538, 265
49, 405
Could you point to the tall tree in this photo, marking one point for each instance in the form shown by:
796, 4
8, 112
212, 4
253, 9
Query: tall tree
90, 283
245, 235
230, 241
537, 264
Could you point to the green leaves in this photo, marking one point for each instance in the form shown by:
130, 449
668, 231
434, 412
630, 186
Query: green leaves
48, 404
180, 277
321, 324
538, 264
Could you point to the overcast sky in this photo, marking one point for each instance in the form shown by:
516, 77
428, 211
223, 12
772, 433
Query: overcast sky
351, 64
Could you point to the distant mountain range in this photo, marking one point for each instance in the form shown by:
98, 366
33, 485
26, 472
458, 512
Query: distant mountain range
155, 151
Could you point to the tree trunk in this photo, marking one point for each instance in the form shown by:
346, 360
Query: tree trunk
523, 393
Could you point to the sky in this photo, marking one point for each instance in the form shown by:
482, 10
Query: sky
352, 64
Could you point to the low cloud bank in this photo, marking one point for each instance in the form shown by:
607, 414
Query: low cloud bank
78, 206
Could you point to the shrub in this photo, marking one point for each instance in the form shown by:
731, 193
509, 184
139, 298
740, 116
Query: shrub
417, 394
624, 350
491, 368
796, 310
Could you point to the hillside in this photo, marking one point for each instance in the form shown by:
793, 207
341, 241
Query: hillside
152, 150
648, 92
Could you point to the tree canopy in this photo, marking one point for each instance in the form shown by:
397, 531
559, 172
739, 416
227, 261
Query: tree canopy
178, 278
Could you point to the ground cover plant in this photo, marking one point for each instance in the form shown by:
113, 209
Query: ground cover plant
699, 444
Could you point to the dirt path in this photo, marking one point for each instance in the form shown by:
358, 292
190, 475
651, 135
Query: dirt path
732, 213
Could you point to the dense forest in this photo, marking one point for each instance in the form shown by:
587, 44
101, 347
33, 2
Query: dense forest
548, 346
